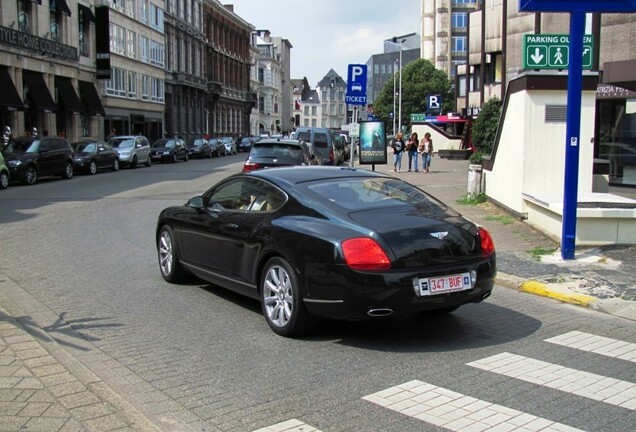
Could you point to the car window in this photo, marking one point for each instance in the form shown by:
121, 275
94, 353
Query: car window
284, 152
269, 199
235, 194
320, 139
45, 146
122, 142
304, 136
357, 194
85, 148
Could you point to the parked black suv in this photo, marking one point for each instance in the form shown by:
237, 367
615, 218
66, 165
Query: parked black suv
29, 158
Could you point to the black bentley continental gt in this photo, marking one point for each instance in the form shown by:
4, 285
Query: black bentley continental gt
333, 242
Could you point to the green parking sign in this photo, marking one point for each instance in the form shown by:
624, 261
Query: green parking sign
551, 51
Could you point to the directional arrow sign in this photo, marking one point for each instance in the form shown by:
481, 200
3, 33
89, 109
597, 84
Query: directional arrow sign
551, 51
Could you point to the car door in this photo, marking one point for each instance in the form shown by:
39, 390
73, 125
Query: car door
142, 149
46, 158
104, 155
210, 241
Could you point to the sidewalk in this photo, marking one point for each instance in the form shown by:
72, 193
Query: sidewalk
43, 387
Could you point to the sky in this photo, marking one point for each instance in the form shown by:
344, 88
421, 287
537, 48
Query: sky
331, 34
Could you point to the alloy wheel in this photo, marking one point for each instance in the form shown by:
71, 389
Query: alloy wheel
278, 296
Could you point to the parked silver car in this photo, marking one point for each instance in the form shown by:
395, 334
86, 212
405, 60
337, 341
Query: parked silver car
131, 149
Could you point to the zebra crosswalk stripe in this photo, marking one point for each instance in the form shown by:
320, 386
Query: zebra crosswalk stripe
457, 412
292, 425
589, 385
597, 344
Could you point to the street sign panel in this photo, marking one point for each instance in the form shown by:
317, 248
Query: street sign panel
551, 51
577, 5
356, 85
434, 102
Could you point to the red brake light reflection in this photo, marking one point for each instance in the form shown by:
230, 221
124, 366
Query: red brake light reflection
487, 245
364, 253
250, 166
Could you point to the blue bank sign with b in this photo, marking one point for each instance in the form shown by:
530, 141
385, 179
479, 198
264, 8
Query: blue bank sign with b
356, 85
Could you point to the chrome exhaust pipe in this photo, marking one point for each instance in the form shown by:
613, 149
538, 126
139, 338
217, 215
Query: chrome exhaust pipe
382, 312
485, 296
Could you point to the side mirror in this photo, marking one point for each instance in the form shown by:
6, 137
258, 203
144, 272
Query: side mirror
196, 203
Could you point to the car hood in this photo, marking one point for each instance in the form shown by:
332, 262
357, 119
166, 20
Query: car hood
423, 237
17, 156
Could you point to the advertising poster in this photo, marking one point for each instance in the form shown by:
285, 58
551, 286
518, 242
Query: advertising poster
372, 143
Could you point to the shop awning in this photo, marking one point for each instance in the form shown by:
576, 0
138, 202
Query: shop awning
86, 13
62, 6
90, 98
9, 96
66, 93
38, 90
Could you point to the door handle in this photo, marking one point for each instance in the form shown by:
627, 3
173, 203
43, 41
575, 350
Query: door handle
232, 226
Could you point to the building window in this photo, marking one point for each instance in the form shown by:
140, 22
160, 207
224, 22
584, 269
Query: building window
156, 90
459, 44
145, 47
261, 76
55, 18
157, 53
84, 28
132, 85
24, 16
307, 110
261, 105
117, 39
145, 87
116, 85
130, 8
314, 111
457, 2
132, 44
143, 11
459, 20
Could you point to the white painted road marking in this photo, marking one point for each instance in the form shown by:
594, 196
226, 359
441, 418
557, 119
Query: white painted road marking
597, 344
292, 425
589, 385
457, 412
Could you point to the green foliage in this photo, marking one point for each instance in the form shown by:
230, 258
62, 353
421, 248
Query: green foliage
476, 157
539, 251
484, 130
419, 79
471, 199
504, 219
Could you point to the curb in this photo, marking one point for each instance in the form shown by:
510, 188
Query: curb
612, 306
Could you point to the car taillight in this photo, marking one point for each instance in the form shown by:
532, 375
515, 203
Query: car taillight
364, 253
487, 245
331, 154
250, 166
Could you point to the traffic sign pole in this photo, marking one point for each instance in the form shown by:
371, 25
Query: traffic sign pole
572, 138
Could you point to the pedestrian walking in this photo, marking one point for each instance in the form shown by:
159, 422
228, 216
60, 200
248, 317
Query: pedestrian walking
113, 132
411, 148
426, 146
398, 149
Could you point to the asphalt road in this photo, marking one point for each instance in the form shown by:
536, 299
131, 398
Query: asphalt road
196, 357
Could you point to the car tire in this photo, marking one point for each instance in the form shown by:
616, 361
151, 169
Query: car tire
186, 158
169, 265
133, 164
281, 301
4, 180
68, 171
92, 168
31, 175
115, 165
148, 161
174, 158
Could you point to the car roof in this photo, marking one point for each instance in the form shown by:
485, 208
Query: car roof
301, 174
277, 141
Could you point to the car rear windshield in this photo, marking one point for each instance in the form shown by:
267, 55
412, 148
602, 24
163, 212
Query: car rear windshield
364, 193
284, 152
85, 148
122, 142
164, 143
23, 146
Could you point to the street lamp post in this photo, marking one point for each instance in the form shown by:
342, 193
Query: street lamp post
400, 97
394, 77
394, 41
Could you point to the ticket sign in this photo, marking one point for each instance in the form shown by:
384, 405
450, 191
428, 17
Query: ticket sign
551, 51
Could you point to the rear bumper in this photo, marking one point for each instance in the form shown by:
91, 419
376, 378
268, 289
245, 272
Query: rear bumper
355, 296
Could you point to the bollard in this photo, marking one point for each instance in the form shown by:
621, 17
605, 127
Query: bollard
474, 180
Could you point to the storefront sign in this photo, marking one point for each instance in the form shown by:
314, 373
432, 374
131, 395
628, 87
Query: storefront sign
607, 91
102, 42
37, 44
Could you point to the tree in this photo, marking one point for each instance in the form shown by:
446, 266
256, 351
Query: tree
419, 79
484, 130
